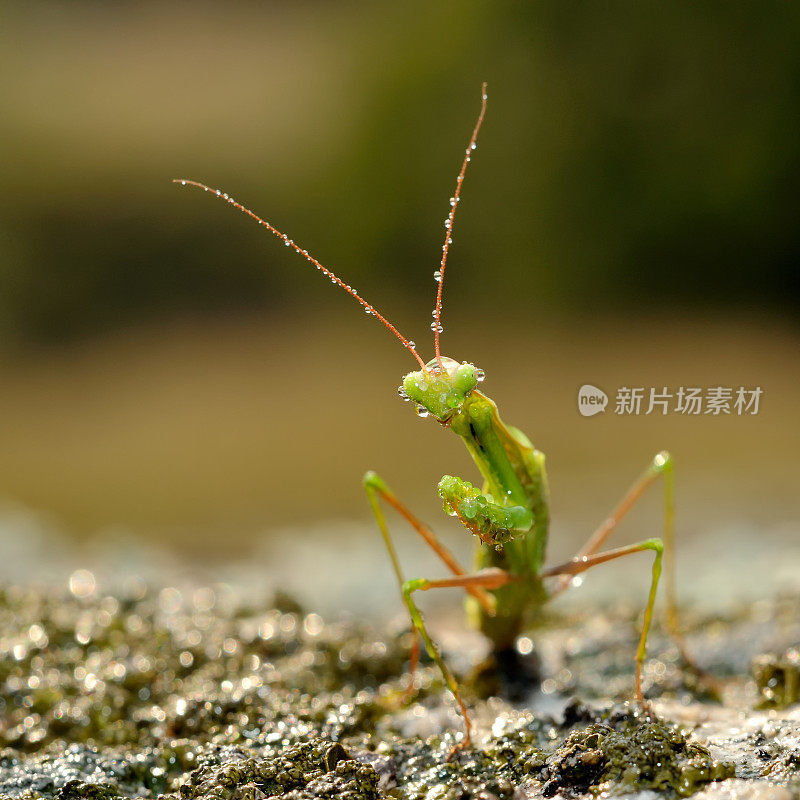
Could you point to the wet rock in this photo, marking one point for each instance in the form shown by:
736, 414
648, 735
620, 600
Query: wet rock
190, 695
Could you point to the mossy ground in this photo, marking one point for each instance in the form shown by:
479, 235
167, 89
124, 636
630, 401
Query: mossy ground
198, 695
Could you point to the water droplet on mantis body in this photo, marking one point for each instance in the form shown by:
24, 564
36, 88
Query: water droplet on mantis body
421, 411
480, 375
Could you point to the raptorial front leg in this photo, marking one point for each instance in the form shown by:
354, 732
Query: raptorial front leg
583, 562
492, 522
487, 579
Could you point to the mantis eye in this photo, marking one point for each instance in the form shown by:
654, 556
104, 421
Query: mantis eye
466, 378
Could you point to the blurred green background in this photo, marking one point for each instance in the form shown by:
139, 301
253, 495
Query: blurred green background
630, 218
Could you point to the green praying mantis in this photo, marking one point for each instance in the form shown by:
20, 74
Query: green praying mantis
509, 514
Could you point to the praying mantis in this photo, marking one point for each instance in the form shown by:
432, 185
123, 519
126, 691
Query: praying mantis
508, 514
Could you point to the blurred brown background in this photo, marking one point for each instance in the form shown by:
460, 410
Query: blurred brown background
172, 378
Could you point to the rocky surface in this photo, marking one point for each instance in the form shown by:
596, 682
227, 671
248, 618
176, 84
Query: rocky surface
189, 694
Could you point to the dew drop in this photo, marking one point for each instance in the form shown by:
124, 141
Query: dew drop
219, 192
421, 411
480, 375
437, 276
452, 201
412, 343
367, 310
183, 183
473, 146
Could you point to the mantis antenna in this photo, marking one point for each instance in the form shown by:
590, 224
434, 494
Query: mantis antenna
436, 325
368, 307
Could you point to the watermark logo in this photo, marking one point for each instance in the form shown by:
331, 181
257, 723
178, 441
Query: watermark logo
591, 400
634, 401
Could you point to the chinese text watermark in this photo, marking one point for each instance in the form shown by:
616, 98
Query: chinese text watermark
685, 400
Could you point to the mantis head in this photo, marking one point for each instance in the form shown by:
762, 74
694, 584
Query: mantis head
441, 388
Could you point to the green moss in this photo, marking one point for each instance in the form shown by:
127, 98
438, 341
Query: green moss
311, 769
778, 678
627, 753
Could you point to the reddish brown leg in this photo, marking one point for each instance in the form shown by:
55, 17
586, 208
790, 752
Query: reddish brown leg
582, 563
487, 579
376, 488
661, 464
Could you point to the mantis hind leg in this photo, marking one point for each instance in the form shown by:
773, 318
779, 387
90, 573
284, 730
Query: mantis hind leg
662, 465
583, 562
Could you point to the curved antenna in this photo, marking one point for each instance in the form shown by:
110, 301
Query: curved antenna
368, 307
436, 325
